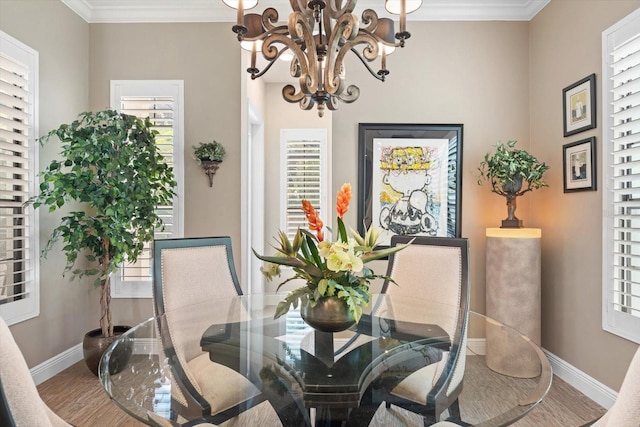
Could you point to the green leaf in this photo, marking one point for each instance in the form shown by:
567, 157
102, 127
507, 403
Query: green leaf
342, 231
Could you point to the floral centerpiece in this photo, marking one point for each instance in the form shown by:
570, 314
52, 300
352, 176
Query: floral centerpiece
330, 269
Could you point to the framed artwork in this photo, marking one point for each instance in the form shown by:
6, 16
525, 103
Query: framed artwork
579, 165
410, 179
579, 106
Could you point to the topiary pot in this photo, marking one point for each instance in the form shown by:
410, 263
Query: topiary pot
94, 345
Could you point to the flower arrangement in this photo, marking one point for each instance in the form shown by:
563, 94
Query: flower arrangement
329, 268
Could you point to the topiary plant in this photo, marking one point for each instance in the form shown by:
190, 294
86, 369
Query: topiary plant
507, 169
112, 167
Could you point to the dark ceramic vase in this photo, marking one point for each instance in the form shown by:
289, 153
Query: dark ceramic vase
330, 314
94, 345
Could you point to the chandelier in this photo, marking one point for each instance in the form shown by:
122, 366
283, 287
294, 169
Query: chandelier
316, 39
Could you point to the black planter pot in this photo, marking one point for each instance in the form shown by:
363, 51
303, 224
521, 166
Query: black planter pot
94, 345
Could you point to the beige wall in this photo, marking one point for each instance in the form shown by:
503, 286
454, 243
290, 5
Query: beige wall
67, 310
474, 73
565, 46
282, 115
210, 71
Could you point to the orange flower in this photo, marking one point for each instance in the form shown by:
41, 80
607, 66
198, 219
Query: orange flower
315, 223
343, 199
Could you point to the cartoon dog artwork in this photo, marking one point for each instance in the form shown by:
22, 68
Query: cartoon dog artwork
407, 204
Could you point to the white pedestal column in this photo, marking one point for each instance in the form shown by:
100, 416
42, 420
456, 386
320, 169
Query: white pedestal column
513, 270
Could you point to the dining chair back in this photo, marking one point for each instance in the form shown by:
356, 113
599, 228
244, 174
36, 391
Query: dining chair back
625, 411
434, 269
188, 272
20, 403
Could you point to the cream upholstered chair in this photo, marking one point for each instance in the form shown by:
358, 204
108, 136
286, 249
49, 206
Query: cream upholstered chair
187, 272
625, 412
434, 269
20, 403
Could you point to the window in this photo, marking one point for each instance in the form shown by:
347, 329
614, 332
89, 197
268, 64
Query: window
304, 175
161, 101
621, 178
19, 264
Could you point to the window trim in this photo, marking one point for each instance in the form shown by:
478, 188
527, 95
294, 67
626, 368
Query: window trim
615, 322
174, 88
29, 307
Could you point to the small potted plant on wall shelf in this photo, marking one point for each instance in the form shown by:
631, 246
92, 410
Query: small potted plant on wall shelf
508, 169
209, 155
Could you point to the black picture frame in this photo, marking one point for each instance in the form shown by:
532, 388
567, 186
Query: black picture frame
579, 165
437, 148
579, 106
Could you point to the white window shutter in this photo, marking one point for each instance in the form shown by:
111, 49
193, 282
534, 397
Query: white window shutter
621, 158
304, 176
161, 102
19, 263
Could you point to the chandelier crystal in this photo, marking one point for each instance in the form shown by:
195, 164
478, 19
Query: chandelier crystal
317, 37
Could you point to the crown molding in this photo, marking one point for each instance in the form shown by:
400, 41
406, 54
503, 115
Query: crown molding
151, 11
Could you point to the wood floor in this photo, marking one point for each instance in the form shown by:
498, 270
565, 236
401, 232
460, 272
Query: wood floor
77, 396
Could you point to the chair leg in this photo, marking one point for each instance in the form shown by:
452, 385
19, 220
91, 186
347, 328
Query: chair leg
454, 411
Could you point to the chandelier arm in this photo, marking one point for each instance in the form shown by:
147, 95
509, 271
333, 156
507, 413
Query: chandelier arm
306, 103
289, 94
370, 20
268, 66
351, 94
298, 68
346, 29
365, 63
300, 31
270, 18
302, 7
333, 103
335, 11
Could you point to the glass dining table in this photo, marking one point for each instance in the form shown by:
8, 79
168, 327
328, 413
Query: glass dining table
325, 379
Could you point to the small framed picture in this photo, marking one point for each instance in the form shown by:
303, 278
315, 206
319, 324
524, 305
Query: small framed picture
579, 106
579, 165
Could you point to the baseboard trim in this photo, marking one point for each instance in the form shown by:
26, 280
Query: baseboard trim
56, 364
590, 387
477, 346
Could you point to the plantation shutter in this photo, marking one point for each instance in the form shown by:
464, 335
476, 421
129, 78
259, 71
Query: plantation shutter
621, 289
159, 110
304, 176
18, 244
161, 101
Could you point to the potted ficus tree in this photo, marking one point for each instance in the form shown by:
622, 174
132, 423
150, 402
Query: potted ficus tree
114, 175
209, 155
508, 169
